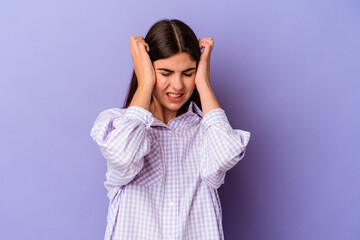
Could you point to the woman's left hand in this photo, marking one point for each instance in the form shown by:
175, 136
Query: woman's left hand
202, 77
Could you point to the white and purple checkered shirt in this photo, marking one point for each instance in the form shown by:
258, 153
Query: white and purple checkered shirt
162, 180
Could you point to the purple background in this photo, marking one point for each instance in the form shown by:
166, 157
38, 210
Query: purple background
287, 71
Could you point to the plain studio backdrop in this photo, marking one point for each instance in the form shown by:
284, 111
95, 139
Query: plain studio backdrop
287, 71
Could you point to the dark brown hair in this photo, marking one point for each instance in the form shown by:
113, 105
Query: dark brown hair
167, 38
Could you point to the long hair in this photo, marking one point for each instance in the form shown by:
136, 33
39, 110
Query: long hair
167, 38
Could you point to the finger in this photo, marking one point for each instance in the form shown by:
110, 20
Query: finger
147, 47
133, 46
208, 41
202, 43
143, 47
138, 39
142, 42
206, 46
134, 41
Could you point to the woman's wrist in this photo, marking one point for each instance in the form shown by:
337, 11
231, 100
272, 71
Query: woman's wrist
142, 96
207, 98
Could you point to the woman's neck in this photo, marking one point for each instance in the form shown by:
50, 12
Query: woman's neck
164, 115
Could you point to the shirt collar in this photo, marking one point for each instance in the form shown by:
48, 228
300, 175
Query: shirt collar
192, 114
194, 109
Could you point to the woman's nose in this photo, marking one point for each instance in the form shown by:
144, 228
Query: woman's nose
177, 83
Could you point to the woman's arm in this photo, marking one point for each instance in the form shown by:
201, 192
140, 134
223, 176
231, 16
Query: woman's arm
122, 133
222, 146
121, 136
202, 79
144, 71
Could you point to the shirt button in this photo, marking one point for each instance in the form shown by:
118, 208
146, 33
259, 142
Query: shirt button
171, 167
171, 133
171, 204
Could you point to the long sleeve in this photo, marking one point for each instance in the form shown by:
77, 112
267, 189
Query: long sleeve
222, 148
121, 136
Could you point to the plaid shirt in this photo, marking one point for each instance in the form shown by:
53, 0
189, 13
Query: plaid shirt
162, 180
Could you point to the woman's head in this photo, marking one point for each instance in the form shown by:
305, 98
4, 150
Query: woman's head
173, 46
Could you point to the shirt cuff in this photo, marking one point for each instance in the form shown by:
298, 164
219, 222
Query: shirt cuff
216, 115
140, 114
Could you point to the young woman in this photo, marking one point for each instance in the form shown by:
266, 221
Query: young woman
169, 147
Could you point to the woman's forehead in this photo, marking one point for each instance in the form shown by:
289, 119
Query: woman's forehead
179, 61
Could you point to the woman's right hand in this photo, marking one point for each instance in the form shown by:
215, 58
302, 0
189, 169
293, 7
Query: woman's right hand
143, 66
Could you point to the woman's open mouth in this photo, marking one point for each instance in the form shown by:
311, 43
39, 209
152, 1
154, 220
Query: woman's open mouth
175, 97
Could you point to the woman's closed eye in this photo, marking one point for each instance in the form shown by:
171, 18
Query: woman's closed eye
167, 74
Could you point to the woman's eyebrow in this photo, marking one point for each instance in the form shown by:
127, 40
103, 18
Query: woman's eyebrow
189, 69
168, 70
165, 69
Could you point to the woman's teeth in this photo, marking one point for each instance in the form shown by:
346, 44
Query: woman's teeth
174, 95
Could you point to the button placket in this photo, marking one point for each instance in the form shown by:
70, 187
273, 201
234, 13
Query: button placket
171, 198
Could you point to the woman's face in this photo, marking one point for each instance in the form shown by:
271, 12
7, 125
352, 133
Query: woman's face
175, 82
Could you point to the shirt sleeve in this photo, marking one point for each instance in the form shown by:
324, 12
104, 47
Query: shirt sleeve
223, 147
121, 136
